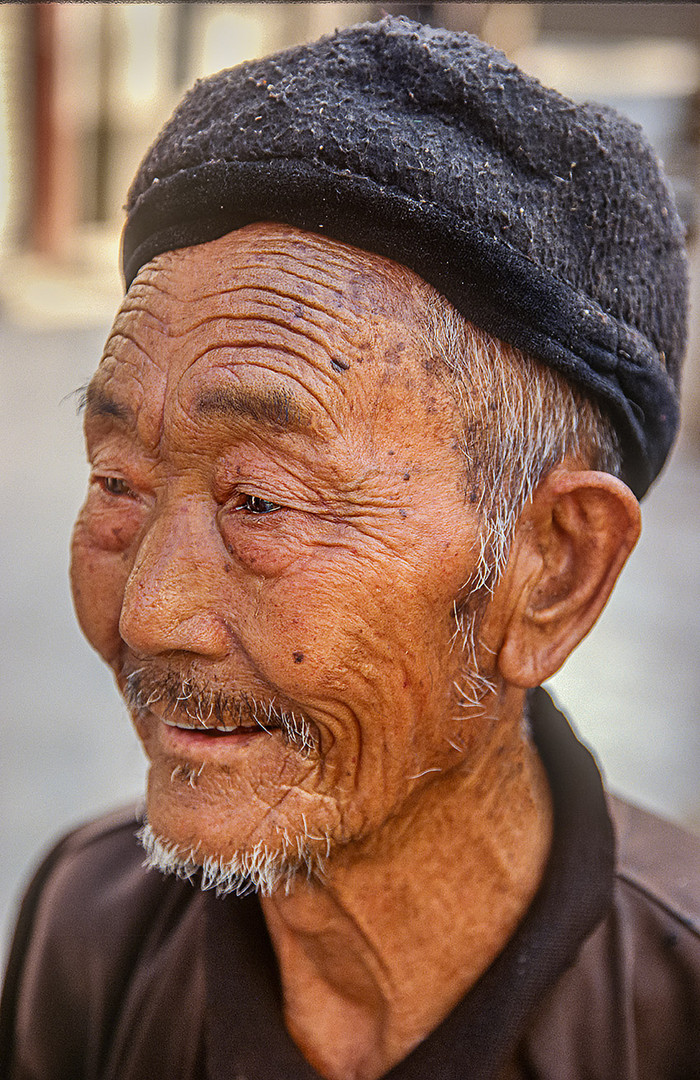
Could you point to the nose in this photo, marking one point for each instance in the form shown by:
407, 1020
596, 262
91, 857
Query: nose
172, 600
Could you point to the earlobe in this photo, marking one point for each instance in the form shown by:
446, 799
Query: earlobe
570, 545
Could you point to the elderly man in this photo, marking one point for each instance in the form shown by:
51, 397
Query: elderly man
400, 347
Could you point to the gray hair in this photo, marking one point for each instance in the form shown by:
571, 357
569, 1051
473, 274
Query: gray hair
520, 418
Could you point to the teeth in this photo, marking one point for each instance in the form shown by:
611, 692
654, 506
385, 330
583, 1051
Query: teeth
223, 728
201, 727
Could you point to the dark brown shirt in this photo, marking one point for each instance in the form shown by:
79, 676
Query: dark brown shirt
118, 973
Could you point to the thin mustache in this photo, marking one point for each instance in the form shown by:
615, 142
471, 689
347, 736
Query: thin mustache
208, 708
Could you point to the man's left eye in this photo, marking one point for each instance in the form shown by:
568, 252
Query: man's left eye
255, 505
114, 485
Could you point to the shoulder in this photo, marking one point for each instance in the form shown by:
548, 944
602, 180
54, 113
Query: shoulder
92, 917
659, 861
629, 1006
92, 879
112, 835
79, 869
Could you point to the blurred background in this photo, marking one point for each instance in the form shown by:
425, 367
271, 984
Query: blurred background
83, 90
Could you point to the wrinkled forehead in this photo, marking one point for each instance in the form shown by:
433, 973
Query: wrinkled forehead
349, 289
269, 305
284, 273
284, 254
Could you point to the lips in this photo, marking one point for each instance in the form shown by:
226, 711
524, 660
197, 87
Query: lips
218, 733
196, 743
184, 735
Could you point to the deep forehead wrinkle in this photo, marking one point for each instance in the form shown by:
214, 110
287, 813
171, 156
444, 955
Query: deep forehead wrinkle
329, 279
369, 280
302, 247
319, 273
277, 254
253, 314
292, 340
313, 329
268, 288
136, 304
311, 304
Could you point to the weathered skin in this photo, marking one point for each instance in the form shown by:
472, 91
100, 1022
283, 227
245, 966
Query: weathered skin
274, 365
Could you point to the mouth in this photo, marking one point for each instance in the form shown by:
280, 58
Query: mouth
195, 730
195, 743
184, 716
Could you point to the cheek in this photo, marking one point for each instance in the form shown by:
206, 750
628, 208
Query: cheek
343, 629
263, 547
110, 524
98, 574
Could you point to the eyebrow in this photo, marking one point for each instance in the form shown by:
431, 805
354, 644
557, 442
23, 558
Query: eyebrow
275, 408
99, 403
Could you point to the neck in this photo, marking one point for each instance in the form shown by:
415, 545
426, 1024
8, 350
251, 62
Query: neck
377, 954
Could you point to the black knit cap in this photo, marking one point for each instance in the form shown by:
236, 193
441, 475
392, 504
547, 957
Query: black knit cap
545, 223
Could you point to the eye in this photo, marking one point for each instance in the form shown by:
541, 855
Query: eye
114, 485
255, 505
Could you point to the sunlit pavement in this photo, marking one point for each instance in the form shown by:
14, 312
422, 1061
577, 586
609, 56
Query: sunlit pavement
67, 749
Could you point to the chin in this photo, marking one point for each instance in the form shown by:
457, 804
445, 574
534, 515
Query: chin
255, 869
198, 828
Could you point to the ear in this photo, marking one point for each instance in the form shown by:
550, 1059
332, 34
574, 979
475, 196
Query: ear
569, 546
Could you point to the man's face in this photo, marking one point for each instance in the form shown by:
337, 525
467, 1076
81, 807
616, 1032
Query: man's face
276, 526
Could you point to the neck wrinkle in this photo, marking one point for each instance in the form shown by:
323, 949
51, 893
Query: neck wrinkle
373, 957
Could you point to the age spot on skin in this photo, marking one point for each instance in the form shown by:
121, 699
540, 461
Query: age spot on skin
392, 355
298, 657
339, 365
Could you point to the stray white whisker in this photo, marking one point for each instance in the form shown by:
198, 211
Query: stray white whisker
259, 722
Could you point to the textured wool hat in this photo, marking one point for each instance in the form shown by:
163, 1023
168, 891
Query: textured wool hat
545, 223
